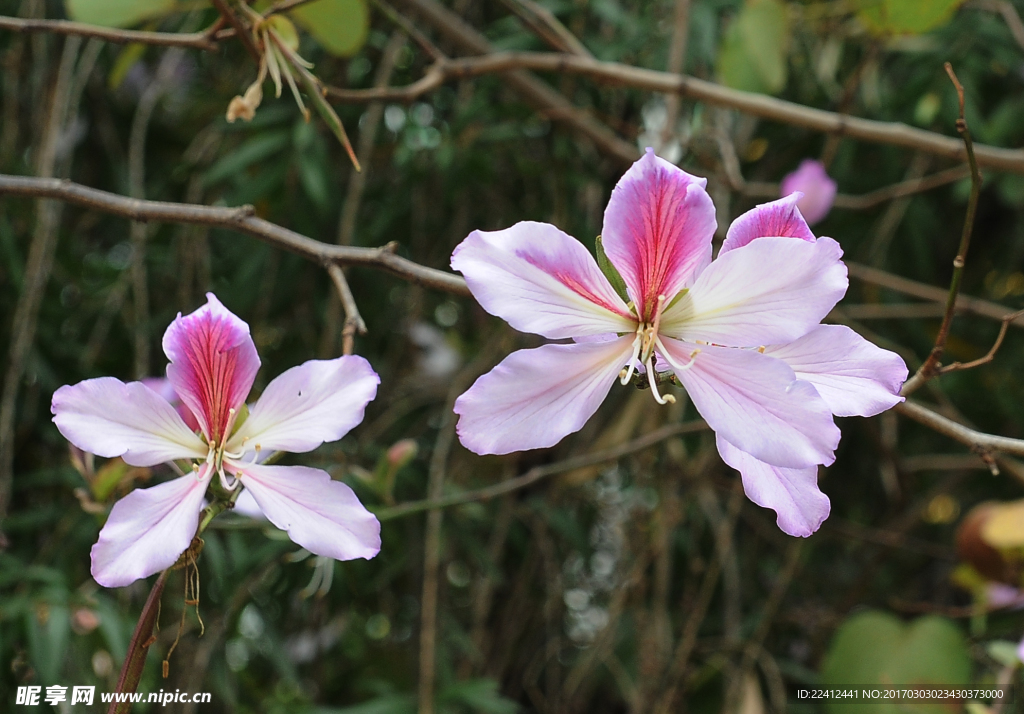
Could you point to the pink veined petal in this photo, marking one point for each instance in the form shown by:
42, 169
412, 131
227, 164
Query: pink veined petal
322, 515
318, 401
148, 529
213, 364
109, 418
756, 403
853, 376
777, 218
534, 398
657, 230
793, 494
771, 291
163, 387
540, 280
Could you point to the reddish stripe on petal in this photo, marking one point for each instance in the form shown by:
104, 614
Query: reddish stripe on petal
657, 230
213, 364
780, 218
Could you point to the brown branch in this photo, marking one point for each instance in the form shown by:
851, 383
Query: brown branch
240, 29
410, 29
283, 6
353, 320
1009, 13
991, 354
979, 442
538, 473
930, 368
240, 219
194, 40
964, 303
548, 27
617, 74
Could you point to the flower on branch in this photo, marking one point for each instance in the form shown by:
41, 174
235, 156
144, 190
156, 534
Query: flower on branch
213, 364
740, 333
817, 189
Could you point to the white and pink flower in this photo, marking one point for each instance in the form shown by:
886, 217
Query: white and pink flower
213, 364
742, 333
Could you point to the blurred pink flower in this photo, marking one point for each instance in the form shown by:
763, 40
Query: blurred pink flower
817, 189
213, 364
741, 333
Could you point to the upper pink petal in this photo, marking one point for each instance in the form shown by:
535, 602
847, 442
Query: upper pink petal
534, 398
213, 364
817, 187
793, 494
109, 418
540, 280
853, 376
756, 403
771, 291
148, 529
778, 218
307, 405
322, 515
657, 230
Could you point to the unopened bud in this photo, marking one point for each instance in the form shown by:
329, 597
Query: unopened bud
819, 190
401, 453
244, 107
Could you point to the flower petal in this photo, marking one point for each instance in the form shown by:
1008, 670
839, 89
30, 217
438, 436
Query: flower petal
534, 398
109, 418
322, 515
817, 187
163, 387
853, 376
771, 291
309, 404
213, 364
777, 218
657, 230
793, 494
540, 280
755, 402
148, 529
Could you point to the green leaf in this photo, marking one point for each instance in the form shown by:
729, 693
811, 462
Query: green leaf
906, 17
876, 648
256, 149
753, 56
340, 26
609, 271
117, 13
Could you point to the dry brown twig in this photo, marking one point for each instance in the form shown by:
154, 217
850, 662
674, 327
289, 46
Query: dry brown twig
202, 40
353, 320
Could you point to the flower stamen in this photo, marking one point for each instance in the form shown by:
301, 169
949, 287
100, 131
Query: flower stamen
627, 373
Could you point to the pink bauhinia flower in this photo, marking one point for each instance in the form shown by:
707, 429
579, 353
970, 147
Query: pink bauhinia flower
740, 333
817, 190
213, 364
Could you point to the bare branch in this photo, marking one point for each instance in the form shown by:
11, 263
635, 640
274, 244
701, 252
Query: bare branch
990, 355
550, 29
1009, 13
240, 29
240, 219
353, 320
981, 443
931, 365
194, 40
617, 74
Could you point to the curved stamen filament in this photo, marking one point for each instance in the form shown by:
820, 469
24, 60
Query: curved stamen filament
676, 367
652, 377
227, 485
627, 373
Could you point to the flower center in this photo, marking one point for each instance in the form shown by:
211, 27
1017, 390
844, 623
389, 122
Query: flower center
644, 351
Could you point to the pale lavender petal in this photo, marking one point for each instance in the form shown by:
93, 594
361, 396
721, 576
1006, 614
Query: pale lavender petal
163, 387
771, 291
307, 405
853, 376
793, 494
777, 218
657, 230
819, 190
109, 418
540, 280
213, 364
322, 515
756, 403
148, 529
246, 505
534, 398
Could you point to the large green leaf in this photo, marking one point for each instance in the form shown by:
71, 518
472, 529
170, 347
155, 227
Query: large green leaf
906, 17
117, 13
340, 26
876, 649
753, 56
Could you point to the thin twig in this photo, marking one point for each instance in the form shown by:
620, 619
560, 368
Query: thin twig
990, 355
410, 29
548, 27
240, 29
538, 473
239, 219
617, 74
353, 320
284, 6
194, 40
931, 365
676, 65
982, 444
1009, 13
